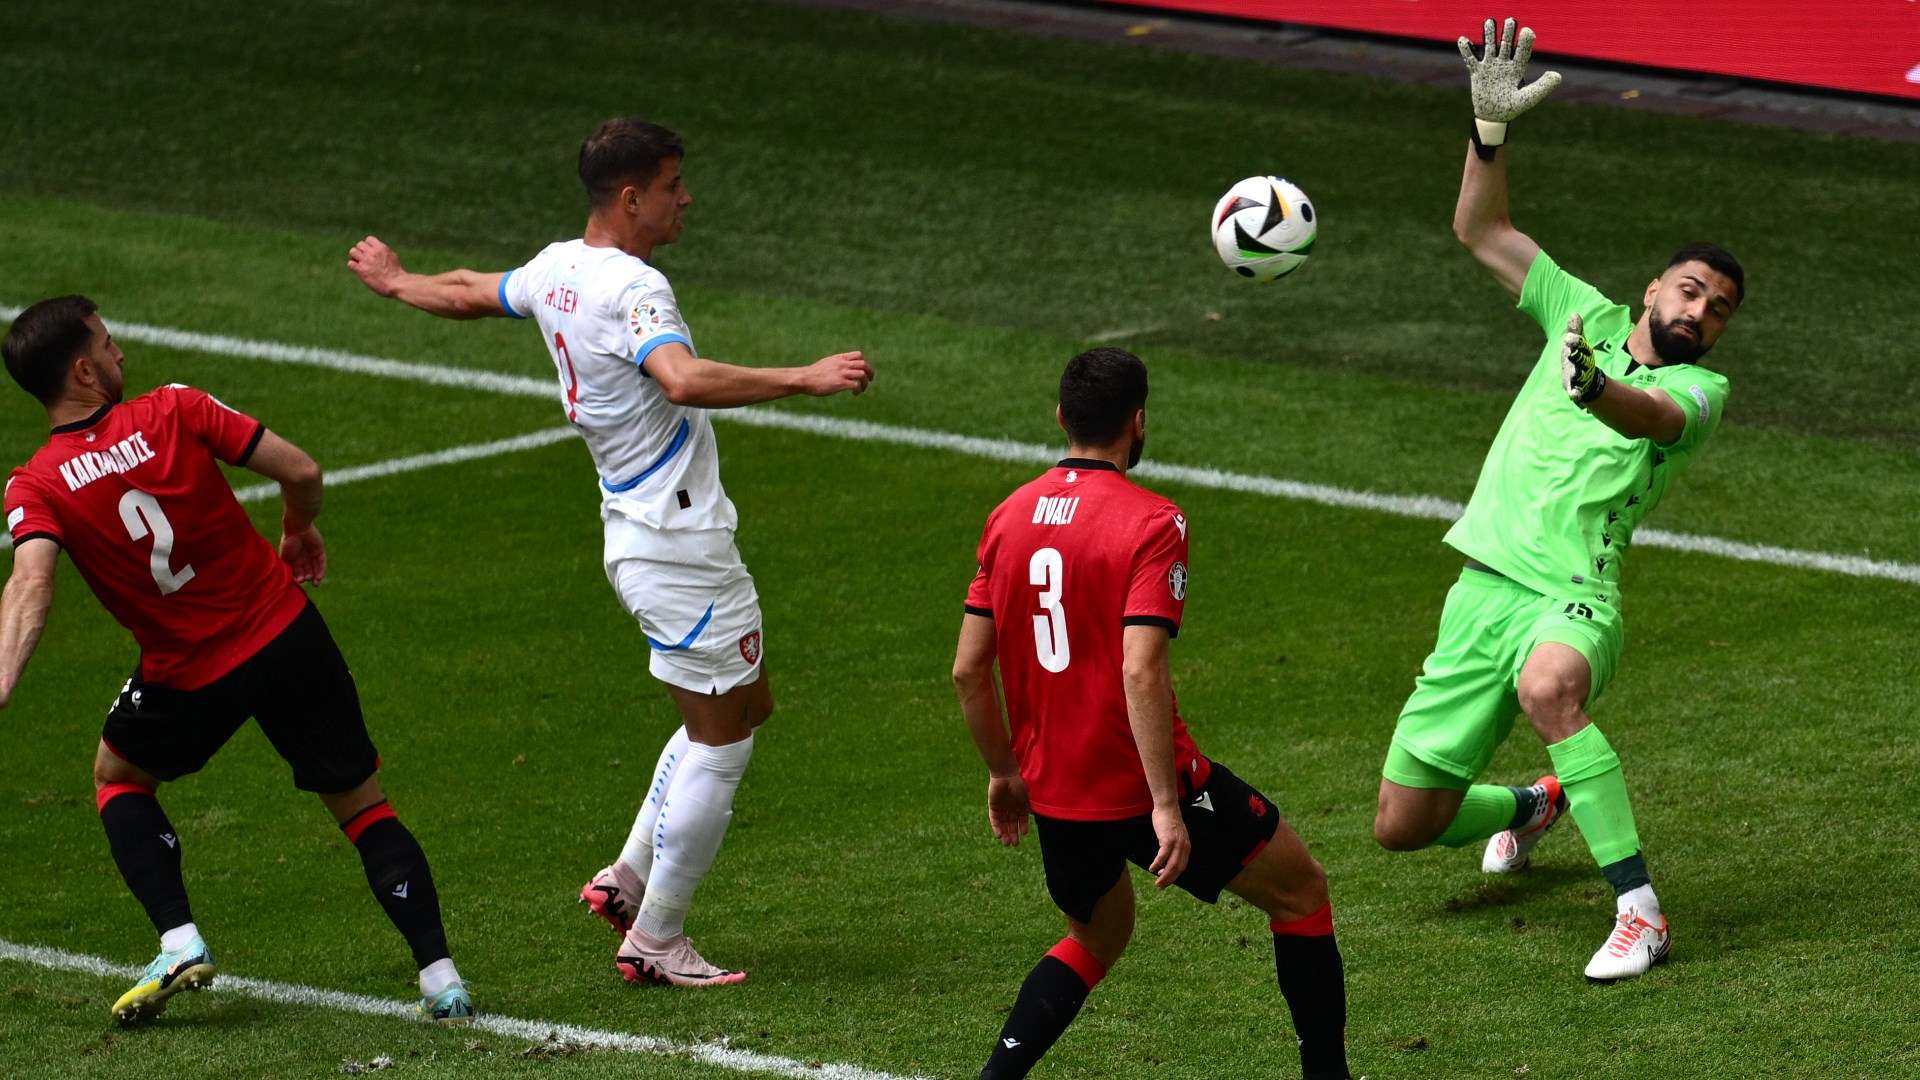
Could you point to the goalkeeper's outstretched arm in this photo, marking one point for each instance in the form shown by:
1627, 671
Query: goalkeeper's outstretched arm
1480, 219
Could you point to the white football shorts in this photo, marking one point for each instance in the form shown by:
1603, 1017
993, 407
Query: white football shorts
694, 600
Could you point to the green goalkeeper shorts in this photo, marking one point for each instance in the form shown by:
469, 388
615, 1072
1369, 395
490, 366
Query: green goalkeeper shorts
1465, 700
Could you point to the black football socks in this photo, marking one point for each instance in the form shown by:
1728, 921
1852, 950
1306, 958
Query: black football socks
397, 871
147, 851
1049, 1000
1315, 986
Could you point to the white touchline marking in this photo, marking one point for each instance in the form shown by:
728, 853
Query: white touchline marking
454, 455
536, 1031
1125, 332
1413, 506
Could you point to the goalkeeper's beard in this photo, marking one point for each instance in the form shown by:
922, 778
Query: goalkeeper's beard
1133, 452
1672, 346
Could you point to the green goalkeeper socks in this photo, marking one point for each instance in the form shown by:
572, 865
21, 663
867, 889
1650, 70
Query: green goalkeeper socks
1485, 809
1589, 773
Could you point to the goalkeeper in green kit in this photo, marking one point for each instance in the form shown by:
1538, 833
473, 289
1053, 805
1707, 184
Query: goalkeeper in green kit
1612, 411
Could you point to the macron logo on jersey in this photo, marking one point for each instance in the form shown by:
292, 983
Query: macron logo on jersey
1055, 509
85, 468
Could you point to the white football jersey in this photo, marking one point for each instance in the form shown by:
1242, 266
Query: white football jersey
602, 312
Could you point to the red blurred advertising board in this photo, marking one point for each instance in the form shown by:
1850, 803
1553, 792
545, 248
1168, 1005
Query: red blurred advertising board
1866, 46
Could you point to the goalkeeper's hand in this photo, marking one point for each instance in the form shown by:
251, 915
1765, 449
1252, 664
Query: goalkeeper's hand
1498, 98
1579, 375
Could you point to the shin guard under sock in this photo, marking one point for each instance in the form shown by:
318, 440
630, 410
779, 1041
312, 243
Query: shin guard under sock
687, 834
1314, 982
637, 855
1049, 1000
402, 883
147, 851
1596, 790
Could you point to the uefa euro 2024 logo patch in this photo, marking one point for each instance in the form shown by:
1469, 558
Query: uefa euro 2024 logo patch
1177, 580
644, 319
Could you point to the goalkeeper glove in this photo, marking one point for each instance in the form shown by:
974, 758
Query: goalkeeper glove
1498, 98
1579, 375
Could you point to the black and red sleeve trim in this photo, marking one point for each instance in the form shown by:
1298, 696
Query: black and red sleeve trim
259, 432
1172, 628
983, 612
18, 540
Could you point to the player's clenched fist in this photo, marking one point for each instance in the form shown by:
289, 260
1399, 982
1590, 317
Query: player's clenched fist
837, 373
375, 264
1579, 375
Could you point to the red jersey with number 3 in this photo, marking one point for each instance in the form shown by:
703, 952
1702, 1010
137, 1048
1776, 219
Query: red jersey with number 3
1067, 562
135, 495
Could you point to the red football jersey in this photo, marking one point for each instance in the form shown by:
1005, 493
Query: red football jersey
134, 494
1066, 563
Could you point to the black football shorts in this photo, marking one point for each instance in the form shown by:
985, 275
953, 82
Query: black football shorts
1228, 823
298, 688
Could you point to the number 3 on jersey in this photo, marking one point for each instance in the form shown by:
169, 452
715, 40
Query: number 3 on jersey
141, 514
1046, 571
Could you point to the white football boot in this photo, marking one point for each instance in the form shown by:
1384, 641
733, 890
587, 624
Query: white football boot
673, 962
614, 895
1632, 949
1509, 852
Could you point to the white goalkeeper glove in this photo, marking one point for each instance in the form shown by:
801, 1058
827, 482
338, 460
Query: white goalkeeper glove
1498, 98
1580, 377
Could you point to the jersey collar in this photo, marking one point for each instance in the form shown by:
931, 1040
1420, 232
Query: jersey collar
82, 425
1086, 463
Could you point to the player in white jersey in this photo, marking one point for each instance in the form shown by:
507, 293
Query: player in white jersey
632, 382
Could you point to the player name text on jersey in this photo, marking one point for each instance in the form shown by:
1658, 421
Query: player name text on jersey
1055, 509
85, 468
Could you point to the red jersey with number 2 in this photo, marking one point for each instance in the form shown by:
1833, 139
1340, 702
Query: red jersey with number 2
1067, 562
135, 495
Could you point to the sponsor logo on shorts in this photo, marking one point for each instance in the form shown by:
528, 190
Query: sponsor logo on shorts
750, 648
1177, 581
1258, 805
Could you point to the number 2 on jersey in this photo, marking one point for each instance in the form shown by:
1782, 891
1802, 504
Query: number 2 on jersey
1047, 571
573, 379
141, 514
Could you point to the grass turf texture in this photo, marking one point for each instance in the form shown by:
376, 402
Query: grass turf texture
863, 183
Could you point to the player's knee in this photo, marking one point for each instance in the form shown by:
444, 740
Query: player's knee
1303, 896
1396, 832
1551, 700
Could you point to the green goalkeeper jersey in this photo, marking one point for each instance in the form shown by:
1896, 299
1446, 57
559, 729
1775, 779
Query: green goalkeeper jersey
1560, 492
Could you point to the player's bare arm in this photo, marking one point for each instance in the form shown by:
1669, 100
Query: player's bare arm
1480, 218
455, 294
687, 379
301, 486
1007, 807
1145, 673
23, 609
1629, 410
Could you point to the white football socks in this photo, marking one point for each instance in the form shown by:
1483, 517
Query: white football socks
1642, 901
692, 822
437, 976
179, 937
637, 856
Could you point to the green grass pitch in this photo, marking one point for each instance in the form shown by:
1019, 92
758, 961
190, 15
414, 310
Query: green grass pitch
970, 208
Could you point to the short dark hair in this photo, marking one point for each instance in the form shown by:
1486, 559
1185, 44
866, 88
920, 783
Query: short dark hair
624, 150
43, 342
1718, 259
1099, 392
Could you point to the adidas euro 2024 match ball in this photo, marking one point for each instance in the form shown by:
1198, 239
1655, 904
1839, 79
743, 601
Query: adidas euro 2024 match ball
1263, 228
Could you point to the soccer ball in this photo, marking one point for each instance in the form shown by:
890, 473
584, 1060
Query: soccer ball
1263, 228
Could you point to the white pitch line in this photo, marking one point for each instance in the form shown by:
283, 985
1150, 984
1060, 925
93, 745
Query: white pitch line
534, 1031
1429, 507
